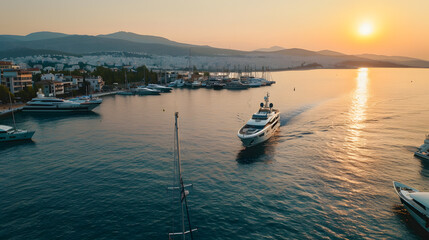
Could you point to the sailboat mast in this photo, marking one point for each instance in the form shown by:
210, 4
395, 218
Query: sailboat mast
179, 170
13, 115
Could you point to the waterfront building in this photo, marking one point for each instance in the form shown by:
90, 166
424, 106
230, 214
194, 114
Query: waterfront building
16, 80
51, 87
95, 83
5, 65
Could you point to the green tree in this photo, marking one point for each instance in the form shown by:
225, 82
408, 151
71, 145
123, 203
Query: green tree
26, 94
4, 94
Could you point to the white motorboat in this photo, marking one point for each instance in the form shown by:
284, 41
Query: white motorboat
146, 91
416, 203
254, 82
159, 87
52, 104
236, 84
179, 83
8, 134
90, 99
261, 126
196, 84
423, 150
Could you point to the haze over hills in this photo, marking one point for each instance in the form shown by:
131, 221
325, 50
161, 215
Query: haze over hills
40, 43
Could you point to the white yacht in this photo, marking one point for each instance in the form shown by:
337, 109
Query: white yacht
261, 126
52, 104
179, 83
196, 84
146, 91
8, 134
159, 87
423, 150
416, 203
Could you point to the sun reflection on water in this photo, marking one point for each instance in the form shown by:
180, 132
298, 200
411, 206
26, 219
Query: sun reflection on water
357, 113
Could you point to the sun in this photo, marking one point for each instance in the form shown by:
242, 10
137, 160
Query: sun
366, 29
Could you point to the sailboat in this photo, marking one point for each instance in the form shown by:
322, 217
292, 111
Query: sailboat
179, 192
128, 92
8, 133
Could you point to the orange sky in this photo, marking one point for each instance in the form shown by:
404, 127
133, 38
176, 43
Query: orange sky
400, 27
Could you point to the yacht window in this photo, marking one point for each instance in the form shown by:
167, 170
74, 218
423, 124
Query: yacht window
2, 138
421, 205
254, 126
12, 137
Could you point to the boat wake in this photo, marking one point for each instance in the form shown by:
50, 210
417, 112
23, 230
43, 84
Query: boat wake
286, 117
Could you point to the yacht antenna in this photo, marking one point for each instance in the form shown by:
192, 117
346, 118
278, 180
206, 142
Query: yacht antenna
267, 99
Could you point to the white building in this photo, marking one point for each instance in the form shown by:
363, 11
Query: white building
96, 83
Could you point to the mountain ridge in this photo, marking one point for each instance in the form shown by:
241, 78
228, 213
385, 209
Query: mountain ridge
122, 41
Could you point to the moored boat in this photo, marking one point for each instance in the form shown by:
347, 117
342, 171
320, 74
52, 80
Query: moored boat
8, 134
159, 87
416, 203
261, 126
146, 91
52, 104
423, 150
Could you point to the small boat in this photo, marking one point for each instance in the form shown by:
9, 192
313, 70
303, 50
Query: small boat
9, 134
236, 85
261, 126
146, 91
196, 84
254, 82
84, 99
423, 150
180, 192
416, 203
178, 83
52, 104
159, 87
218, 86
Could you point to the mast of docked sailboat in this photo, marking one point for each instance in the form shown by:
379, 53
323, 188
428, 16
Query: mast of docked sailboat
13, 115
180, 187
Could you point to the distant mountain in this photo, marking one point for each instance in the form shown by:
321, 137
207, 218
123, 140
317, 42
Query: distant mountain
133, 37
413, 62
22, 52
270, 49
330, 53
33, 36
40, 43
82, 44
297, 52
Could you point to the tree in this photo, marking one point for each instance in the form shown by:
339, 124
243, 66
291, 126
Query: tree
26, 94
4, 94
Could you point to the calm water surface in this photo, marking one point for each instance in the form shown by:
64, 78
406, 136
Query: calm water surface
327, 174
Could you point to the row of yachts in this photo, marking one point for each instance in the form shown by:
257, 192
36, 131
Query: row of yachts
217, 83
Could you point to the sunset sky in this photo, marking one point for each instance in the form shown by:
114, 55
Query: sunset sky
390, 27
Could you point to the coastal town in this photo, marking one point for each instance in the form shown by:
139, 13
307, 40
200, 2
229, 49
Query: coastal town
20, 82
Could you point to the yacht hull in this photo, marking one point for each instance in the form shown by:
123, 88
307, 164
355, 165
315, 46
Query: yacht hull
81, 108
261, 136
418, 215
22, 136
424, 155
